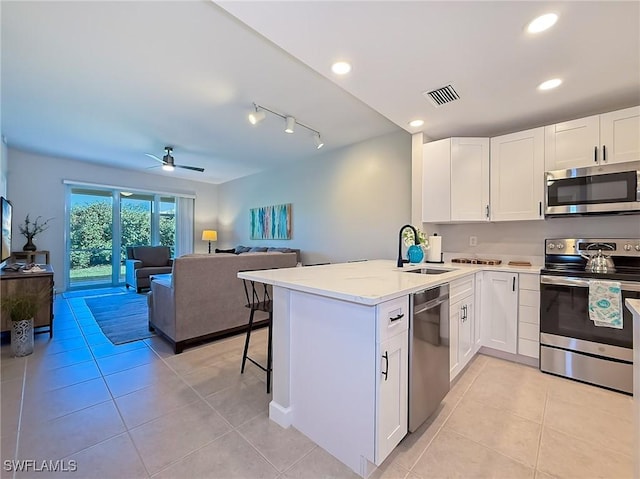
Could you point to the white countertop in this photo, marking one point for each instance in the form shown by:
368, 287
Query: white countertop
369, 282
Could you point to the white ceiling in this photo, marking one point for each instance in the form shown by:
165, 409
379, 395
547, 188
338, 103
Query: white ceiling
109, 81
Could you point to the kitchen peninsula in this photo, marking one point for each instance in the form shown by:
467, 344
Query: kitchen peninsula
634, 306
340, 352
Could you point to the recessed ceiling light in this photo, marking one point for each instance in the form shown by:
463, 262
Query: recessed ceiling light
550, 84
416, 123
541, 23
341, 68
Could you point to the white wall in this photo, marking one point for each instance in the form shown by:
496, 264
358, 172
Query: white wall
35, 187
347, 204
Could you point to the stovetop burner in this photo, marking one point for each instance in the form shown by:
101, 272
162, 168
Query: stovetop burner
566, 257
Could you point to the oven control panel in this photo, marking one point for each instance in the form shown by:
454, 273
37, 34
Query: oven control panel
590, 246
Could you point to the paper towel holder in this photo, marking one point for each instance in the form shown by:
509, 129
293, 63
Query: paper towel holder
441, 255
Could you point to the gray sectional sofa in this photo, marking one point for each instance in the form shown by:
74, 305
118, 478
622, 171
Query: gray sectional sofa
203, 298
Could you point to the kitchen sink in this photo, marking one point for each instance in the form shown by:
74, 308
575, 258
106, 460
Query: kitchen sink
429, 271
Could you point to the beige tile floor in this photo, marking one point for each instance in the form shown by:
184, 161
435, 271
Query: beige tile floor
137, 410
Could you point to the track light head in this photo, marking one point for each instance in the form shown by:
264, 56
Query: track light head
318, 140
256, 117
290, 124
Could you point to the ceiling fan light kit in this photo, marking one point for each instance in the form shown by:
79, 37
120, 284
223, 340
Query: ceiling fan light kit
258, 115
168, 162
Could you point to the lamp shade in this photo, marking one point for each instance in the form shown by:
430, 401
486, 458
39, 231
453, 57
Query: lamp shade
209, 235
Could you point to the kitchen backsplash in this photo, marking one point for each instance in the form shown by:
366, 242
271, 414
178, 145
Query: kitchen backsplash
525, 239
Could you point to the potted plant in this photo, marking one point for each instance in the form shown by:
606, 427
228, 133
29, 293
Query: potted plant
30, 229
22, 308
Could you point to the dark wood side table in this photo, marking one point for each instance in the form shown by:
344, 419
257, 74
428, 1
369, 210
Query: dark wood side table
19, 281
30, 256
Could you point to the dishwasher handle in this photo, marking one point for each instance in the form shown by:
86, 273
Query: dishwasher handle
430, 304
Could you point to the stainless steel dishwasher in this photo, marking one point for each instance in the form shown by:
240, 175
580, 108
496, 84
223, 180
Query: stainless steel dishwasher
428, 353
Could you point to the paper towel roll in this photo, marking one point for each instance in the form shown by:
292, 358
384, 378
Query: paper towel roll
434, 253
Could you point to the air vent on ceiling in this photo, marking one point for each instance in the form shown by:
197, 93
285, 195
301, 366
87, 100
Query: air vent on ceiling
442, 95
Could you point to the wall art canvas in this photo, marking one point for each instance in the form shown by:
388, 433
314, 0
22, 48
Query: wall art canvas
271, 222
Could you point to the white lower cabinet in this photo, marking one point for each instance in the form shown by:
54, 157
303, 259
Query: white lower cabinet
461, 324
392, 394
392, 376
500, 311
529, 315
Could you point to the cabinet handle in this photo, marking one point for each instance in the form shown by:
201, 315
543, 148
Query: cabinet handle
540, 208
487, 211
595, 154
604, 153
386, 367
513, 286
395, 318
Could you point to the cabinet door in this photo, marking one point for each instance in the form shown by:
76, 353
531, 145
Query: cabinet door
517, 176
620, 135
454, 334
436, 181
572, 144
465, 333
392, 380
500, 311
469, 179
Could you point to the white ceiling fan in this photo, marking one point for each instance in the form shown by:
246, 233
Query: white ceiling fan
168, 162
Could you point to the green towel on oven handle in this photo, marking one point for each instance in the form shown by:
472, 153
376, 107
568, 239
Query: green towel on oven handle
605, 304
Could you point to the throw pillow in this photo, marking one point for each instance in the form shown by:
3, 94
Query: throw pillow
258, 249
242, 249
232, 250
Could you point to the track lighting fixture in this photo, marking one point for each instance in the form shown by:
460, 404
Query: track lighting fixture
290, 124
318, 140
258, 115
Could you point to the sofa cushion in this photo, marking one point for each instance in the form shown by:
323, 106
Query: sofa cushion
152, 255
152, 270
279, 250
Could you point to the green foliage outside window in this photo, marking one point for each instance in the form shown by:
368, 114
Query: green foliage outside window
92, 232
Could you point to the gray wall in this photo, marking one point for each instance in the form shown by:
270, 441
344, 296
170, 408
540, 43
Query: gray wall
35, 187
347, 204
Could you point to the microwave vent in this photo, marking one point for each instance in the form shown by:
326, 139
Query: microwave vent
443, 95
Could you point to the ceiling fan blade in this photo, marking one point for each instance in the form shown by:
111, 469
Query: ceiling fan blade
194, 168
154, 157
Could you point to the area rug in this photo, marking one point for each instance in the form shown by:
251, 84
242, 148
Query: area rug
122, 317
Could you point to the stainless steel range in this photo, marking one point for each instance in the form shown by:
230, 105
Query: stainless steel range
571, 344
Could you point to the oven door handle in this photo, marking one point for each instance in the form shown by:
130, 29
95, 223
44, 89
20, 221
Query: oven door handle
583, 283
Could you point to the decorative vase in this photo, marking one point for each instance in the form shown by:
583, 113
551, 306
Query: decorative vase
415, 253
22, 337
29, 246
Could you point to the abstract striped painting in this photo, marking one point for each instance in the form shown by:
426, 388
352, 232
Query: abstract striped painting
271, 222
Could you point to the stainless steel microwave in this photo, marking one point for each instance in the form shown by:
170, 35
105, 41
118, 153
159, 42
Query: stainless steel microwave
604, 189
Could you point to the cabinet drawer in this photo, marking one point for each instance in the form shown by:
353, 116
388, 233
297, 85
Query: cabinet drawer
530, 281
529, 315
526, 347
461, 288
529, 298
529, 331
393, 317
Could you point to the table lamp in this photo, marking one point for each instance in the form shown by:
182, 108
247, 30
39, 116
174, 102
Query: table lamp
209, 235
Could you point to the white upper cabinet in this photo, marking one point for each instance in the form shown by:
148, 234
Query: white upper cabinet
469, 179
455, 180
620, 135
595, 140
436, 181
517, 176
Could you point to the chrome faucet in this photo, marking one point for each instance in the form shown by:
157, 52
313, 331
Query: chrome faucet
416, 241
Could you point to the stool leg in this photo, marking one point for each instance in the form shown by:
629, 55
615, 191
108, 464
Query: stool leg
269, 353
246, 342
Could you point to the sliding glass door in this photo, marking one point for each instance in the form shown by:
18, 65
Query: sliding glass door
103, 222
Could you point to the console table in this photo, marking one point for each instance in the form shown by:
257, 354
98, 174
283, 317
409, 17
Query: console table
30, 256
18, 281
